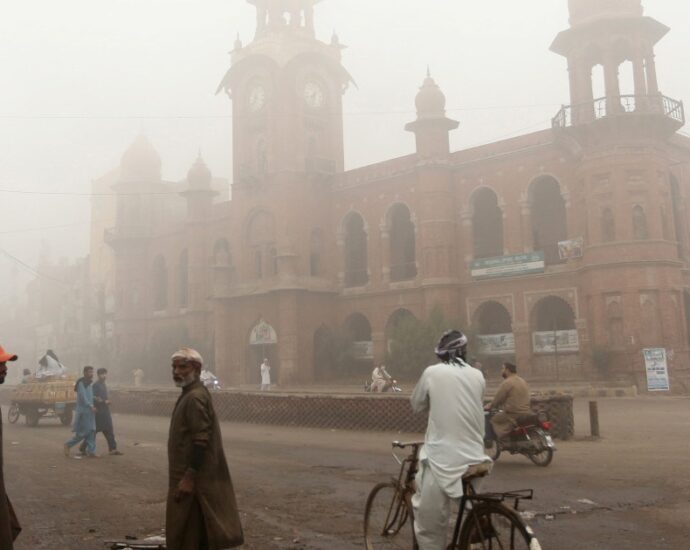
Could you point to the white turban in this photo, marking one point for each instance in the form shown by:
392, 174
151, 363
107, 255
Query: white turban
190, 355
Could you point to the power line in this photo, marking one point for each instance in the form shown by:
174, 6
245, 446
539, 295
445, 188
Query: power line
30, 269
78, 116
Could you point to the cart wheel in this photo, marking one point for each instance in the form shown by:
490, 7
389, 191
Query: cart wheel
66, 417
32, 418
13, 413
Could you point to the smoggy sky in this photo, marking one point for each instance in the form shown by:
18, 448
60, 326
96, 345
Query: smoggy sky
81, 78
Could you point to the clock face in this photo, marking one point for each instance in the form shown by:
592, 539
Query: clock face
257, 98
314, 95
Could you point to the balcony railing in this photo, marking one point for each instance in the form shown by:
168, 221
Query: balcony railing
573, 115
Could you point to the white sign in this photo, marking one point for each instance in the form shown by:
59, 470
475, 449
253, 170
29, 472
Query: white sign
363, 349
569, 250
496, 344
551, 341
263, 334
657, 369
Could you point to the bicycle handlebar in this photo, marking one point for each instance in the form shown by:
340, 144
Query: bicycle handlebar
399, 445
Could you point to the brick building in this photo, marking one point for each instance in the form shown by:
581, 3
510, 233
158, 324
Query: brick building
555, 246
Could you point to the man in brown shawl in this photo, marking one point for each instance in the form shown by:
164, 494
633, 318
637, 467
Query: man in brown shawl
9, 526
201, 512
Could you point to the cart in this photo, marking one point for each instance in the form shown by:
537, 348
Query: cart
52, 397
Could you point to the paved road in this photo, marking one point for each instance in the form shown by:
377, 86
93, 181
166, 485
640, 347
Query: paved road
305, 488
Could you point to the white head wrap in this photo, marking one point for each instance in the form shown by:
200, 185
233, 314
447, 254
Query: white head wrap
190, 355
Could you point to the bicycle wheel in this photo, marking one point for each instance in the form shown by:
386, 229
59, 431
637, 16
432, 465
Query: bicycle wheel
545, 455
385, 517
493, 526
13, 413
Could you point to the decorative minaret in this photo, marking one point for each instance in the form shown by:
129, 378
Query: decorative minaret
432, 125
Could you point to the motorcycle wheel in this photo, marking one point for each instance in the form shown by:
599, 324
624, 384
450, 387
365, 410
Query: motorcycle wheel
493, 449
544, 455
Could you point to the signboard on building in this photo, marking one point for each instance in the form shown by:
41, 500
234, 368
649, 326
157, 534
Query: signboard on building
555, 341
656, 366
263, 334
363, 350
496, 344
571, 249
508, 266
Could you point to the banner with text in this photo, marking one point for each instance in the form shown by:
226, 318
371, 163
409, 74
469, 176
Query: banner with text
557, 341
657, 369
508, 266
496, 344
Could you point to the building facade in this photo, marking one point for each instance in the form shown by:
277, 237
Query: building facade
562, 249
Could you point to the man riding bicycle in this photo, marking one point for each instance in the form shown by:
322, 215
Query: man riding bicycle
453, 392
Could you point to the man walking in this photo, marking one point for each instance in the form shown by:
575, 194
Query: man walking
84, 426
513, 400
9, 526
201, 511
452, 391
265, 375
104, 420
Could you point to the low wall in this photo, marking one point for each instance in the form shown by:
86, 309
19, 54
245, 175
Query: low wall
346, 412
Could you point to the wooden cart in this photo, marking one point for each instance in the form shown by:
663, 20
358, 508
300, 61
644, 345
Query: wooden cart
44, 398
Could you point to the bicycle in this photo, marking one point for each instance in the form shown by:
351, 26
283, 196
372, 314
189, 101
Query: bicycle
483, 521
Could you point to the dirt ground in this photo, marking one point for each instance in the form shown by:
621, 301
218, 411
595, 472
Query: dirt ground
306, 488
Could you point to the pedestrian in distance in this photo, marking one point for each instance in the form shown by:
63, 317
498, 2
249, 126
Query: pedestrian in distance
84, 426
201, 510
9, 525
265, 375
138, 374
104, 420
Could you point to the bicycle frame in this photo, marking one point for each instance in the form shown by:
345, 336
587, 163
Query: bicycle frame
400, 505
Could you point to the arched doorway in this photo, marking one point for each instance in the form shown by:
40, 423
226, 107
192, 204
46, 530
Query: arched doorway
549, 217
487, 224
553, 325
495, 339
263, 344
399, 319
358, 332
402, 244
356, 255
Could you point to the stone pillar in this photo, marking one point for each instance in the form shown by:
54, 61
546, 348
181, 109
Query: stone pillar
288, 340
613, 91
523, 348
385, 254
652, 82
527, 235
467, 229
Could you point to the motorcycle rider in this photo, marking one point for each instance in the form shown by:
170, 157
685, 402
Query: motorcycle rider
453, 392
381, 381
512, 400
208, 379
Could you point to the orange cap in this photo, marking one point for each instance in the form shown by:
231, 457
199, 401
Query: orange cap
4, 356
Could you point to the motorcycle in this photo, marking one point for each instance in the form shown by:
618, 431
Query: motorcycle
530, 438
393, 387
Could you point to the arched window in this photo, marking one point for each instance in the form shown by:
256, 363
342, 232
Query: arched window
608, 226
261, 240
159, 282
261, 157
493, 318
402, 242
273, 261
183, 280
487, 224
678, 215
553, 327
221, 254
316, 245
639, 220
358, 331
549, 223
614, 314
400, 320
356, 259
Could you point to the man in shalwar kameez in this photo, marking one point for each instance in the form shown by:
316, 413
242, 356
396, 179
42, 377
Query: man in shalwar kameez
453, 393
84, 426
201, 511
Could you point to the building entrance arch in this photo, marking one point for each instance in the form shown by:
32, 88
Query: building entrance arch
495, 339
263, 344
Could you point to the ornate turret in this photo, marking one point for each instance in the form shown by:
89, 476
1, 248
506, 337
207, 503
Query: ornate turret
281, 15
610, 33
140, 162
432, 125
199, 193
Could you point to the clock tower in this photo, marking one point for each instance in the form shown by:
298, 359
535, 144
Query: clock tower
286, 87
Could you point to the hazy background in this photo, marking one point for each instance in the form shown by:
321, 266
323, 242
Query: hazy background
81, 78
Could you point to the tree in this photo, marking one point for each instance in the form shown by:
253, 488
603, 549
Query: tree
412, 343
